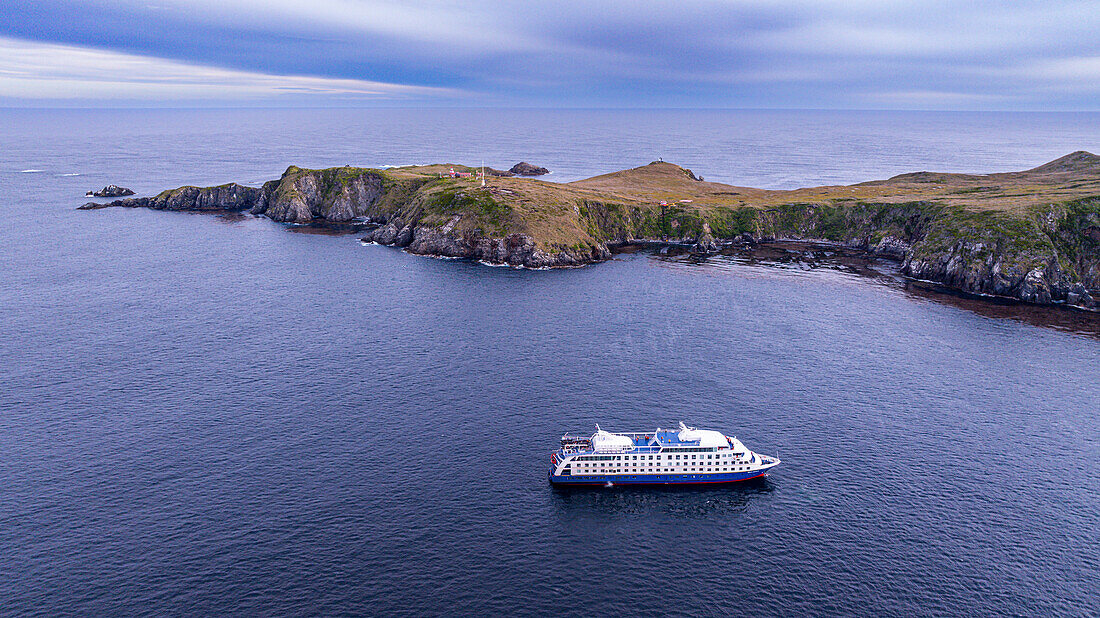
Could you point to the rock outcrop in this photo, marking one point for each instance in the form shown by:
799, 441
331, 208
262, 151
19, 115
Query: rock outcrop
524, 168
1049, 257
299, 196
110, 191
705, 243
336, 194
229, 197
513, 249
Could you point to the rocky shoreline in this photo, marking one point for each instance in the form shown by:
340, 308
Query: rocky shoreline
1046, 254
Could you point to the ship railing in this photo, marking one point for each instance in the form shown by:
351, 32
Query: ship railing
667, 437
633, 434
635, 450
614, 451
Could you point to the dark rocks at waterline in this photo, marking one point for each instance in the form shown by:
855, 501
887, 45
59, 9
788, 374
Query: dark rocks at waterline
1078, 296
524, 168
892, 247
512, 250
745, 238
996, 275
110, 191
705, 243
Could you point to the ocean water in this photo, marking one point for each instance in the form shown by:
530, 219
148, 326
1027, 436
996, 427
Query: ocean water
211, 415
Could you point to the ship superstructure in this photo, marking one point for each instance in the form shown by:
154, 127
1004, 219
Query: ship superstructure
663, 457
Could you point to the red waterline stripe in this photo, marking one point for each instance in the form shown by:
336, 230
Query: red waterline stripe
664, 482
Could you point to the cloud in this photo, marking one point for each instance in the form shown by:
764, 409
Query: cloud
32, 70
1081, 72
653, 53
935, 99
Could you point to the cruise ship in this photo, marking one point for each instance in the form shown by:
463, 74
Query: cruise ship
683, 456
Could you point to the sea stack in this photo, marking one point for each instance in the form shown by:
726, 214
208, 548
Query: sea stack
524, 168
110, 191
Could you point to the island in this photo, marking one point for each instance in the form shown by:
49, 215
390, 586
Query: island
110, 191
1032, 235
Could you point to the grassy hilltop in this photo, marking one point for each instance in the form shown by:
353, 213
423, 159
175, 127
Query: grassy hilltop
624, 205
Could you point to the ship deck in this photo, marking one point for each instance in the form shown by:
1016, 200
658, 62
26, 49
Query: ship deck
644, 442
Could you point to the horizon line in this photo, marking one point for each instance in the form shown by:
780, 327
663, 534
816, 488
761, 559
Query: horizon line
536, 108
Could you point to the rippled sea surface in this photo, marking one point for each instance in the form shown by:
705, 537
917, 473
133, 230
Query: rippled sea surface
210, 415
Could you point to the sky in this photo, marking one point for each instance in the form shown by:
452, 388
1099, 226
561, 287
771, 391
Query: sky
805, 54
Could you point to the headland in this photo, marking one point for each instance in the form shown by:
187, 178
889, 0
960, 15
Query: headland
1032, 235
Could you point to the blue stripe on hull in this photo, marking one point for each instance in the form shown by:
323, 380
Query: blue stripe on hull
657, 479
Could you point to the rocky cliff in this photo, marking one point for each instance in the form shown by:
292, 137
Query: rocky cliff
426, 214
1032, 236
229, 197
1050, 254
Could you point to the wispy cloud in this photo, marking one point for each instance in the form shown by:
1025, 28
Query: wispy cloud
935, 99
1082, 72
33, 70
988, 54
